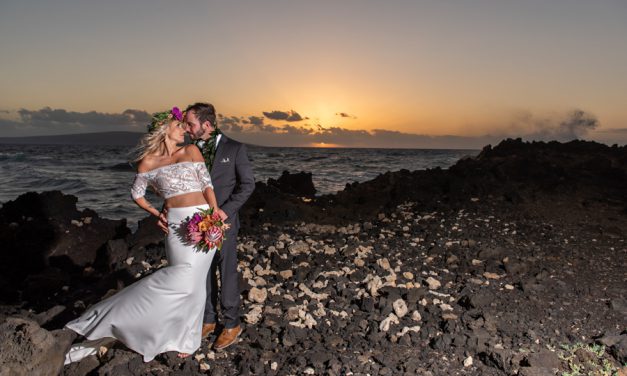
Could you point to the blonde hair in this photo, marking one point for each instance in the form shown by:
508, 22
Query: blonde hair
152, 141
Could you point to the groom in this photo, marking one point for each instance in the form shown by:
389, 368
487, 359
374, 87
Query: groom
233, 182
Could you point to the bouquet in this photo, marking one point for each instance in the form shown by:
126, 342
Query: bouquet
205, 229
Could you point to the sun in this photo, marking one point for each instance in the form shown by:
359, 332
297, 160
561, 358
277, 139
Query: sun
324, 145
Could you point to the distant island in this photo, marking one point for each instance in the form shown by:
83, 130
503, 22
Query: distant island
100, 138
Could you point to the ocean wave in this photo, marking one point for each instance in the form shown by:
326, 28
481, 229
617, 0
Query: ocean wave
119, 167
275, 155
14, 156
315, 158
63, 184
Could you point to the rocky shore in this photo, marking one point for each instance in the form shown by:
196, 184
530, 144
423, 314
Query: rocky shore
511, 262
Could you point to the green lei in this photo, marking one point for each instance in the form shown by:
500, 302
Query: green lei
209, 148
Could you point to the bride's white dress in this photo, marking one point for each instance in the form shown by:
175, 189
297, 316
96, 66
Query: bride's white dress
163, 311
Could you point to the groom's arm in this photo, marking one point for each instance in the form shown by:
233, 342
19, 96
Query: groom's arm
246, 186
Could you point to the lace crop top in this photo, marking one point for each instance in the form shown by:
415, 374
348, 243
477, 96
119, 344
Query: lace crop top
172, 180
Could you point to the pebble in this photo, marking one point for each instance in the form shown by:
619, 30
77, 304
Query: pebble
400, 308
406, 329
446, 307
312, 294
254, 315
433, 283
384, 326
384, 263
258, 295
452, 259
468, 362
200, 357
509, 287
416, 316
286, 274
260, 282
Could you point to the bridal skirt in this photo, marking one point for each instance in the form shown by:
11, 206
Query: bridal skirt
161, 312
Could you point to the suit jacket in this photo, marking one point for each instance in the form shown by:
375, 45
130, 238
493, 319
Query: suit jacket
232, 177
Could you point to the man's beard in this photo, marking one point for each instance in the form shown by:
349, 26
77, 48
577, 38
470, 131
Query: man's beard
194, 136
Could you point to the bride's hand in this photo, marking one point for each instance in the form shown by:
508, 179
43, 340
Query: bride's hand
222, 214
162, 222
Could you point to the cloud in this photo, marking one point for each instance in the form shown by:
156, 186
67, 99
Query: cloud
47, 116
255, 120
284, 115
255, 130
230, 123
296, 130
48, 121
577, 124
566, 127
345, 115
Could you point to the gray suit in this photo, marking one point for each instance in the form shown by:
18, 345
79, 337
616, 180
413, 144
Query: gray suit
233, 183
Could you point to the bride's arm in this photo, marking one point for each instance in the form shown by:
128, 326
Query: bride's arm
144, 204
138, 191
210, 196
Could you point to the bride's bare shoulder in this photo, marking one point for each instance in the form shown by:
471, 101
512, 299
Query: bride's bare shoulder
192, 151
146, 164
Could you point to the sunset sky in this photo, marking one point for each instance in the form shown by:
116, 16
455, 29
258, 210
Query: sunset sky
313, 73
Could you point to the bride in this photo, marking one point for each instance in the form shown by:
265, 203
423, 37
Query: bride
164, 311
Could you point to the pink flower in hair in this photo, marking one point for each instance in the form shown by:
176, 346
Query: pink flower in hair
177, 113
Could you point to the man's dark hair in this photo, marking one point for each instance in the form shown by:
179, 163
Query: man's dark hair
204, 112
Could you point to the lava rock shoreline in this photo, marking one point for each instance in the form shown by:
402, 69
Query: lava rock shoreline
511, 262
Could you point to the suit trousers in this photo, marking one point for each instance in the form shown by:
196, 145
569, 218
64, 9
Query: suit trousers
226, 261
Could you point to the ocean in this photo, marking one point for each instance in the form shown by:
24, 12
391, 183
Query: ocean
100, 176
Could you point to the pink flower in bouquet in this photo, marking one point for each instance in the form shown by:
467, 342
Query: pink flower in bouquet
196, 218
213, 235
191, 226
195, 236
215, 217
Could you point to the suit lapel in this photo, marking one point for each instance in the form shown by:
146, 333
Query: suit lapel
219, 152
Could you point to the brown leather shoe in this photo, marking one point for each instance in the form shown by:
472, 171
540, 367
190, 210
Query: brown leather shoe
227, 337
208, 329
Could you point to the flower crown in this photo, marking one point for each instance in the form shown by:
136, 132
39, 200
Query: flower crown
160, 118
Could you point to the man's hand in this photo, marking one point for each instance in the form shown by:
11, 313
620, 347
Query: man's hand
162, 222
222, 214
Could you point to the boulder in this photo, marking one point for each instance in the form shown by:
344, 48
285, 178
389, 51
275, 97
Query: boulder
29, 350
298, 184
43, 230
